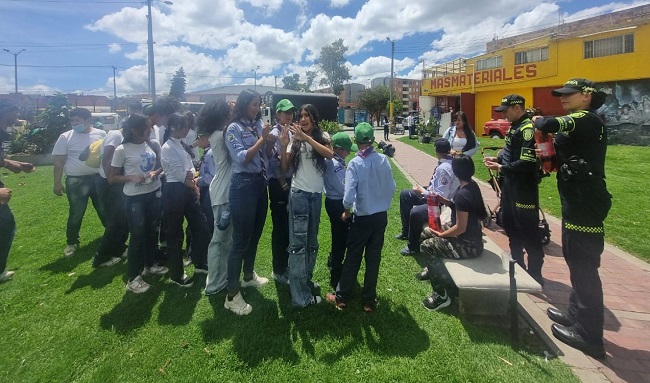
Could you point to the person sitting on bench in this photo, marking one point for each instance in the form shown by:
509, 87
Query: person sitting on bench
462, 240
413, 202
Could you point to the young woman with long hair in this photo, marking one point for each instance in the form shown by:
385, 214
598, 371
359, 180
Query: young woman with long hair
245, 140
305, 152
461, 136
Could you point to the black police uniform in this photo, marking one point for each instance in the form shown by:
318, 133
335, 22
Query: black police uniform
520, 196
581, 145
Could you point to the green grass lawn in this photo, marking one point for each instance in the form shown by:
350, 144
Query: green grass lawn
628, 181
63, 321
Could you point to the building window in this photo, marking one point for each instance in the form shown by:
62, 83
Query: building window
610, 46
531, 56
489, 63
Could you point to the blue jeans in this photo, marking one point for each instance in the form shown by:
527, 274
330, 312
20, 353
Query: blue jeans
116, 234
143, 216
7, 231
248, 206
78, 190
304, 218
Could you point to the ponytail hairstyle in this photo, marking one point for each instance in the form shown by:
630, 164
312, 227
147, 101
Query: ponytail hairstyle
469, 133
317, 135
176, 122
463, 168
134, 124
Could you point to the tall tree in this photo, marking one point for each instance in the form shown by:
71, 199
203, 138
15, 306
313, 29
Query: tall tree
311, 75
177, 89
374, 100
332, 63
292, 82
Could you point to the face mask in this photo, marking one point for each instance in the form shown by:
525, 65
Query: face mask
79, 128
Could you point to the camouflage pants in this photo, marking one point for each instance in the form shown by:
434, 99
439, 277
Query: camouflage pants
436, 248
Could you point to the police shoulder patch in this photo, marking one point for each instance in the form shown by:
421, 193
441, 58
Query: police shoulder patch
528, 134
231, 137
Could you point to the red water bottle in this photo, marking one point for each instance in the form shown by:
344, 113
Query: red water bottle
545, 144
434, 212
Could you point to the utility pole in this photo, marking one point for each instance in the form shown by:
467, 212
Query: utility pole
15, 66
114, 108
152, 73
390, 88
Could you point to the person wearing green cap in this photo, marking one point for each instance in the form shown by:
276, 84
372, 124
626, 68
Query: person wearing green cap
305, 151
369, 188
279, 183
334, 190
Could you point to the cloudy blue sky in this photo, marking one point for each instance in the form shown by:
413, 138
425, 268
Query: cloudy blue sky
72, 45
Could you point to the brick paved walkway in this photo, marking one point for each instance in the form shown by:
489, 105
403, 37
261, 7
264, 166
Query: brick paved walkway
626, 286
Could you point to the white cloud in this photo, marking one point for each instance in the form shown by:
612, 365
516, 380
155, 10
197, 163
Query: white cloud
214, 40
339, 3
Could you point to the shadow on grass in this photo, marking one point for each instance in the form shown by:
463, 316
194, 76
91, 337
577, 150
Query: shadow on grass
65, 265
261, 336
179, 303
98, 278
134, 311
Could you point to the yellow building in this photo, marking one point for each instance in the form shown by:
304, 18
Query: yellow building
613, 50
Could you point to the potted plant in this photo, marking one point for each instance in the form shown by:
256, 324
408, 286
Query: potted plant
426, 129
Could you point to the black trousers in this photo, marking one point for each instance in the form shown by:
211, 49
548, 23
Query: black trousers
179, 203
582, 253
339, 228
521, 223
7, 231
366, 233
278, 203
414, 214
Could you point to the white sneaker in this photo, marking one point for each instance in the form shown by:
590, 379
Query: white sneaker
256, 281
155, 270
137, 285
111, 262
237, 305
6, 275
70, 249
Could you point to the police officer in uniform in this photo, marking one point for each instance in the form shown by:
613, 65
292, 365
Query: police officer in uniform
520, 195
581, 144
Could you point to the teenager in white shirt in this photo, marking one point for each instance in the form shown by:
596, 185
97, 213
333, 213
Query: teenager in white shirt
79, 177
306, 152
134, 164
181, 200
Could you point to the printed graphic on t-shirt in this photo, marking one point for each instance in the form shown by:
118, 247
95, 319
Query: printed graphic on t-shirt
307, 150
148, 161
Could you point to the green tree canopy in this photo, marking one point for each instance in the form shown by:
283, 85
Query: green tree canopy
292, 82
177, 89
374, 100
332, 63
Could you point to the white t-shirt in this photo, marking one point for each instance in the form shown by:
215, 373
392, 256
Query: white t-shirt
220, 185
307, 176
113, 138
158, 132
176, 162
71, 144
136, 159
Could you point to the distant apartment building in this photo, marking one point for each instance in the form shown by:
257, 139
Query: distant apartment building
407, 90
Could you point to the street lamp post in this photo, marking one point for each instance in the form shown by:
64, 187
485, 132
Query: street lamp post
15, 66
390, 88
150, 62
255, 71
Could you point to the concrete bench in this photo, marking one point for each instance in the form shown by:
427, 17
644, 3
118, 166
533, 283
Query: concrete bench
484, 284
